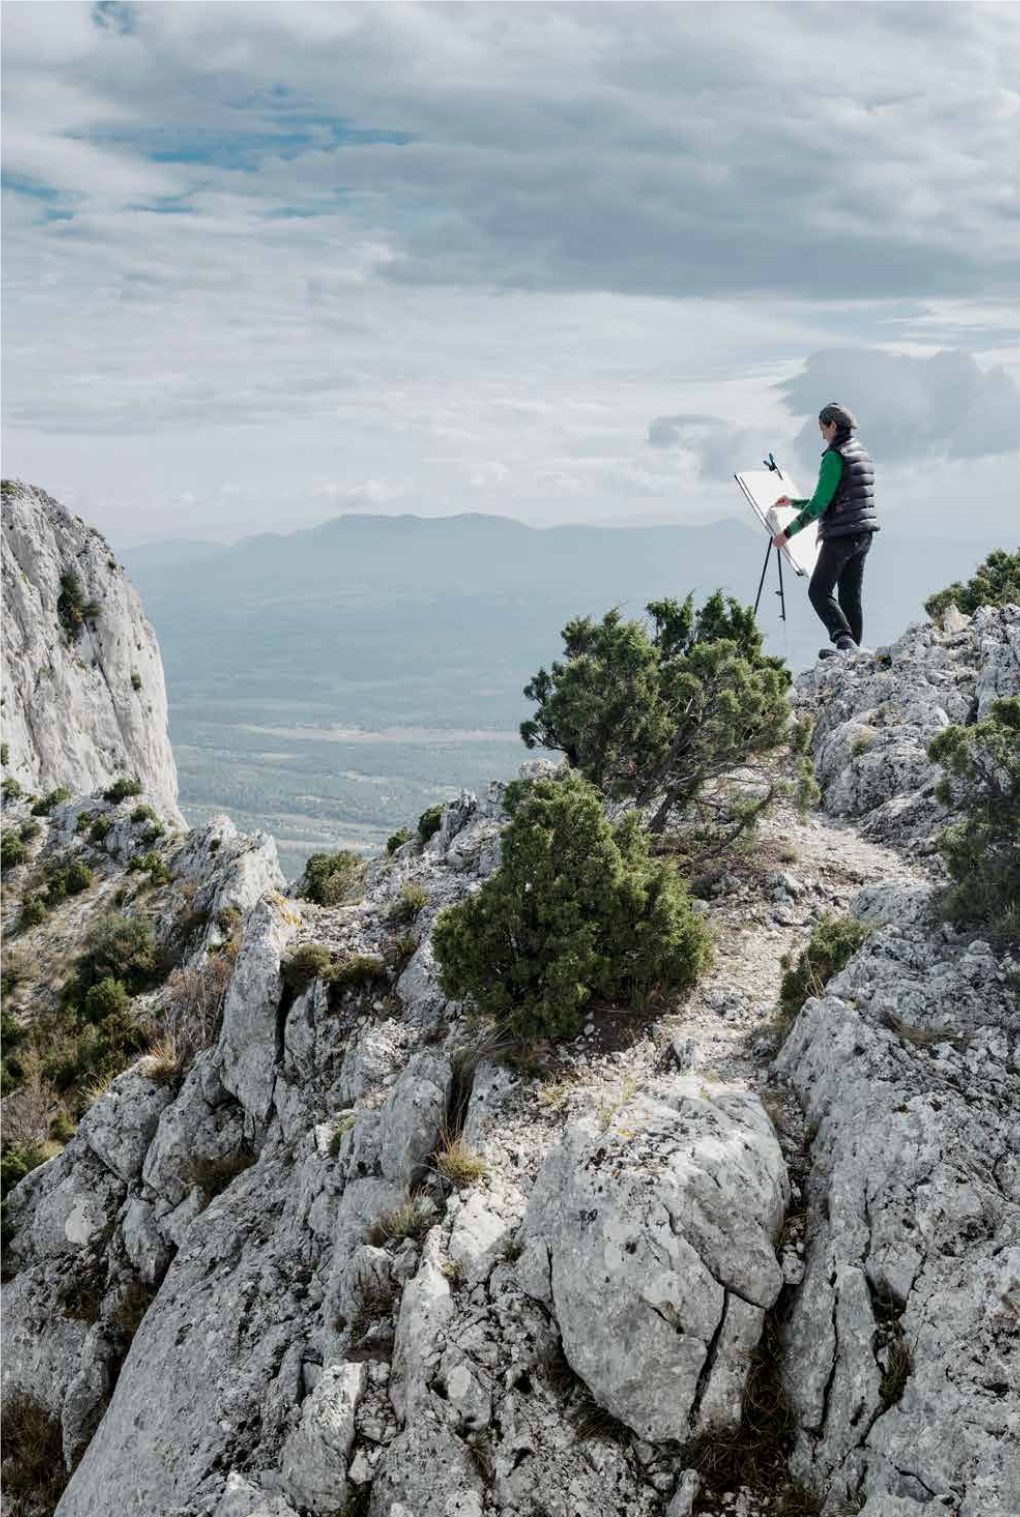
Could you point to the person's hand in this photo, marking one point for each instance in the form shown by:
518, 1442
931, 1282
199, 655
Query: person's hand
779, 539
784, 500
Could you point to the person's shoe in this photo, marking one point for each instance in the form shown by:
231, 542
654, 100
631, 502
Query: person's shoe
826, 653
846, 645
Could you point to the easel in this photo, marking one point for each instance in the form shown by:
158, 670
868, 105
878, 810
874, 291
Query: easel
770, 463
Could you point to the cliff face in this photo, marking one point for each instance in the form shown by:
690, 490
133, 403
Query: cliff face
83, 688
228, 1304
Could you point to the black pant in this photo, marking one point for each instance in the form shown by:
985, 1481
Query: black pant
840, 563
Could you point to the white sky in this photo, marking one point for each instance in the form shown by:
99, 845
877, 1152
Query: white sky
265, 263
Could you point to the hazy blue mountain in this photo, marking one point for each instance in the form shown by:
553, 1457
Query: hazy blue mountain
419, 634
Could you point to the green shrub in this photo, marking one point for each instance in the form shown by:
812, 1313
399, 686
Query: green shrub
101, 829
118, 948
107, 998
832, 944
309, 962
398, 839
121, 789
99, 1052
10, 789
996, 582
78, 877
430, 822
405, 947
151, 864
359, 970
577, 909
408, 904
45, 804
136, 680
29, 831
144, 813
152, 834
5, 754
662, 717
82, 820
12, 851
981, 848
16, 1161
13, 1035
73, 610
331, 879
33, 911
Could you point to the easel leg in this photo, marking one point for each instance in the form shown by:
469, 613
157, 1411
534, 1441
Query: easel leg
780, 592
764, 570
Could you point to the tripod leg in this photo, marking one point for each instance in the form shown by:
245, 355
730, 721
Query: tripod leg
781, 592
764, 570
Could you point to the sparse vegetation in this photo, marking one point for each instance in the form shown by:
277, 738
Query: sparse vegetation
153, 865
412, 1219
577, 910
981, 848
33, 911
862, 742
45, 804
309, 962
357, 972
430, 822
398, 839
833, 942
73, 610
144, 813
340, 1131
29, 830
458, 1163
408, 904
101, 829
190, 1008
34, 1473
334, 879
122, 789
10, 789
5, 754
996, 582
136, 680
12, 851
16, 1161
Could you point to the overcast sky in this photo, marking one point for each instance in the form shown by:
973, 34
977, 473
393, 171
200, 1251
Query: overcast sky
265, 263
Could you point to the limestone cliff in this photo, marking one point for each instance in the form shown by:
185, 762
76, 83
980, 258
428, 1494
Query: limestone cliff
273, 1284
84, 700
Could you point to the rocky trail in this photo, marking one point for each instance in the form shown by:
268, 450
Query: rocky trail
356, 1260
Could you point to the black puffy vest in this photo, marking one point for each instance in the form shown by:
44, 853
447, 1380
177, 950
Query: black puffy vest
852, 508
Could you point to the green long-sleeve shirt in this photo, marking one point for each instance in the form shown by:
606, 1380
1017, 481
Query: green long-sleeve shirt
829, 476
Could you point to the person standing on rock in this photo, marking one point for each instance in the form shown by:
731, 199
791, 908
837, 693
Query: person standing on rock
844, 503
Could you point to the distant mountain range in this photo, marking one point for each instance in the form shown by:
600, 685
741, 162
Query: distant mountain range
435, 623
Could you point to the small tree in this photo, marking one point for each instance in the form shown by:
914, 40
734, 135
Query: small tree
73, 610
331, 879
982, 848
661, 717
996, 582
576, 909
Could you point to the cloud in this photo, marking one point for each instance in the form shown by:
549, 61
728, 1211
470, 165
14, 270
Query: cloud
910, 407
718, 446
644, 149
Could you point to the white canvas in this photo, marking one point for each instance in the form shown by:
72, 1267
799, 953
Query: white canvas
761, 487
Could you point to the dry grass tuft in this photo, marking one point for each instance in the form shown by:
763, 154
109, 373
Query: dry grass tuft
165, 1062
926, 1037
412, 1219
458, 1163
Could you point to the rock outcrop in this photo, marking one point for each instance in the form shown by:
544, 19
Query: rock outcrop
84, 695
353, 1260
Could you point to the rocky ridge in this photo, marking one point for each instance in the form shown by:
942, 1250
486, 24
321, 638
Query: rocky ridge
84, 699
559, 1328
